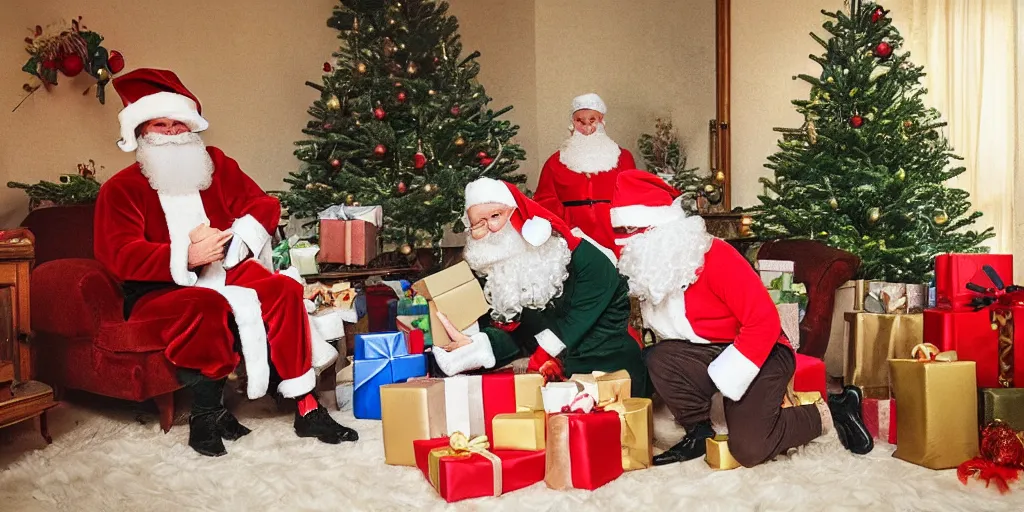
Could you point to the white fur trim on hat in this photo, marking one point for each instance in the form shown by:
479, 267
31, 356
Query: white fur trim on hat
641, 216
162, 104
488, 190
589, 101
536, 231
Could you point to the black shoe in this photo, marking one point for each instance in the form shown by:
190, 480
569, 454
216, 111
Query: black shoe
845, 408
204, 435
229, 427
691, 447
319, 424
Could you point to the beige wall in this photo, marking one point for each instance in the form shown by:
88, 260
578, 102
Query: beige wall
246, 60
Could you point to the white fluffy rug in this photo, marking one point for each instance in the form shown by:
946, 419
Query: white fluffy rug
103, 459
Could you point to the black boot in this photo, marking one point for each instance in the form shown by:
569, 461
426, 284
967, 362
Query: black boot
318, 423
845, 408
691, 447
209, 422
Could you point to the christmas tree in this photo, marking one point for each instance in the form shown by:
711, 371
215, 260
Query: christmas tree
402, 122
865, 173
664, 156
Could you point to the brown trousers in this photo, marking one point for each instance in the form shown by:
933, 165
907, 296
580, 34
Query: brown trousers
759, 428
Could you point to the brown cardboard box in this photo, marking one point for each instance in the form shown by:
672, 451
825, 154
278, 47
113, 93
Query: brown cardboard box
455, 292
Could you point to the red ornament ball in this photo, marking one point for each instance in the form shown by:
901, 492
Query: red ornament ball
115, 61
883, 50
481, 155
419, 160
486, 161
401, 96
328, 126
401, 187
1000, 444
379, 113
856, 121
335, 163
380, 150
72, 64
327, 67
50, 64
456, 111
877, 15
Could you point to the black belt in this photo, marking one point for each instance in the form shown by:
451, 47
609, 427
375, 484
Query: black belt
585, 202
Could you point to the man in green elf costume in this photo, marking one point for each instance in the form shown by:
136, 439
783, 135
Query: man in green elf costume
554, 297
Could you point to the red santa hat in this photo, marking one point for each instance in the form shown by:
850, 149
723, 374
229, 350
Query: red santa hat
534, 222
642, 199
150, 94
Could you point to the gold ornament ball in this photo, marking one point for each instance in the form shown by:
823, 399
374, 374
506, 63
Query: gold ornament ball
361, 67
333, 103
901, 174
941, 218
459, 141
907, 124
709, 188
833, 203
412, 68
406, 249
428, 188
720, 176
103, 74
431, 92
350, 199
874, 214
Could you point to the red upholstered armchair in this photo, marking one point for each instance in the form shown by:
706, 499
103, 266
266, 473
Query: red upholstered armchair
83, 339
823, 270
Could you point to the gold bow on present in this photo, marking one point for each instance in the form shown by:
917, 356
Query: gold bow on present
924, 352
461, 446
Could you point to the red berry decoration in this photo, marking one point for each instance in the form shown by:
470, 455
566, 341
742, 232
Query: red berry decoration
486, 161
401, 187
877, 15
115, 61
379, 113
50, 64
455, 111
335, 163
481, 155
883, 50
856, 121
419, 160
72, 64
401, 96
380, 150
327, 67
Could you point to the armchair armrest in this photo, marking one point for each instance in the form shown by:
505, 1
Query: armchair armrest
71, 297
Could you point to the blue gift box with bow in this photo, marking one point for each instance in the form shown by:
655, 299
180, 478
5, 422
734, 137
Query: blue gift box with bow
380, 359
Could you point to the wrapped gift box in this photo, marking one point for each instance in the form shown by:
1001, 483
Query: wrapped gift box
789, 315
777, 275
583, 450
303, 257
519, 430
556, 395
848, 298
605, 387
954, 271
874, 339
636, 417
410, 411
455, 292
718, 455
937, 425
412, 326
1010, 346
380, 359
973, 336
528, 395
880, 418
472, 401
895, 298
1005, 404
809, 375
458, 474
348, 242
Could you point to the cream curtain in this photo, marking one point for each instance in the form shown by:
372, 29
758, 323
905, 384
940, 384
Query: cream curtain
969, 51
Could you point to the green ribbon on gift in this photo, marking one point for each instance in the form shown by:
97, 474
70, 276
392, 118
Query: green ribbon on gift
281, 258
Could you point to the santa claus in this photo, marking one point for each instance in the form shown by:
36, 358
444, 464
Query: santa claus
576, 182
553, 296
188, 234
717, 330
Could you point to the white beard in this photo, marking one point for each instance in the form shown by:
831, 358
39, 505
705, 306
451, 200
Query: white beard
518, 274
592, 153
665, 258
175, 164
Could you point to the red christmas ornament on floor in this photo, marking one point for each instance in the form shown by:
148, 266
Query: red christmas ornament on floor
115, 61
380, 150
379, 113
883, 50
856, 121
72, 65
419, 160
1001, 460
877, 15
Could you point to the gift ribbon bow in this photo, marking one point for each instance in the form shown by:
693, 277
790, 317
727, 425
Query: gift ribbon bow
460, 445
928, 352
991, 295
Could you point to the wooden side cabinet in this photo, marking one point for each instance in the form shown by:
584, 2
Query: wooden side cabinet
21, 398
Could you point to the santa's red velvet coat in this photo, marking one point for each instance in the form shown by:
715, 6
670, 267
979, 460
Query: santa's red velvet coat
141, 235
559, 184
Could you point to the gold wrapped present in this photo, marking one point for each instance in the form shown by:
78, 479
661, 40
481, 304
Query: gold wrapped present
718, 455
411, 411
849, 298
519, 431
605, 387
637, 424
1004, 404
874, 339
528, 395
937, 424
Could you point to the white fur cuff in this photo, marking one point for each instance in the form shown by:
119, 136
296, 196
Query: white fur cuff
251, 232
292, 388
550, 342
536, 231
732, 372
